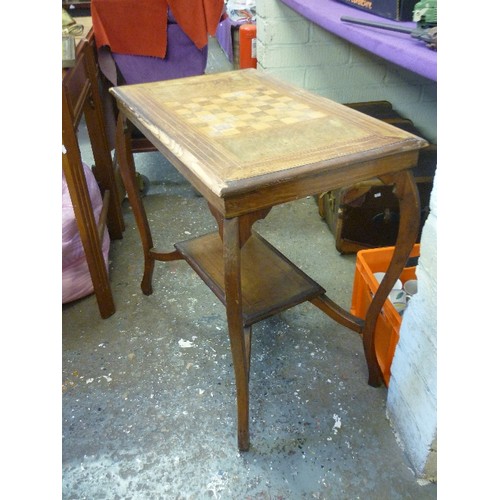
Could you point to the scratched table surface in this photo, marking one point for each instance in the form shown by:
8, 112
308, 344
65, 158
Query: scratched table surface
244, 130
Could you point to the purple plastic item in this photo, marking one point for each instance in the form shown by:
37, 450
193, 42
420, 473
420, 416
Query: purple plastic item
398, 48
225, 38
224, 35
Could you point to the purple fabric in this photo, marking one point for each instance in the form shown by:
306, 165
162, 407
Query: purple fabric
183, 59
399, 48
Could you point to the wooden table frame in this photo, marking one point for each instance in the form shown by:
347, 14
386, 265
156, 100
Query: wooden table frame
228, 261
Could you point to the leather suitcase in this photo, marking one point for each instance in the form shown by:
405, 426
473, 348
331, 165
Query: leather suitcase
366, 215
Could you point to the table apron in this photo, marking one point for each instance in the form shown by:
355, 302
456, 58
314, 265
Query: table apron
276, 191
265, 196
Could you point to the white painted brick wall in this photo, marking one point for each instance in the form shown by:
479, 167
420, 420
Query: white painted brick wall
295, 50
412, 396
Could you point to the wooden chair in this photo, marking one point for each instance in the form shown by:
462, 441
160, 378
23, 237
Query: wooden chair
80, 97
183, 59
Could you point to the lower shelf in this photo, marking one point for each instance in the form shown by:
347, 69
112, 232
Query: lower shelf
270, 283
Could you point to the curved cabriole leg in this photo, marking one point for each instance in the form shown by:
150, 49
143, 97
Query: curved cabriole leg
127, 170
232, 281
406, 191
147, 276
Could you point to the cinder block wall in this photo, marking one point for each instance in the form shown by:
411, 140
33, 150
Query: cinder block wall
300, 52
412, 396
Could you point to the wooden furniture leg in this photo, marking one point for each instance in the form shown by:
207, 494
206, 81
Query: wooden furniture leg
127, 169
90, 233
239, 341
406, 191
103, 172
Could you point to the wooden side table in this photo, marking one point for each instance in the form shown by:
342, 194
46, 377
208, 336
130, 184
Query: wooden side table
81, 97
248, 142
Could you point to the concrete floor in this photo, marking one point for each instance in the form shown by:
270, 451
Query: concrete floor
148, 399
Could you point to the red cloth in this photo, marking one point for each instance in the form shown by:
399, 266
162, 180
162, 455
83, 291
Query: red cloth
139, 27
197, 18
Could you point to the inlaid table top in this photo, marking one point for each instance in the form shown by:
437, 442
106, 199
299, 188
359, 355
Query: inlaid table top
242, 131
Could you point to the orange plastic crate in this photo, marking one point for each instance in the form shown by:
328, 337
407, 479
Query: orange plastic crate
365, 285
